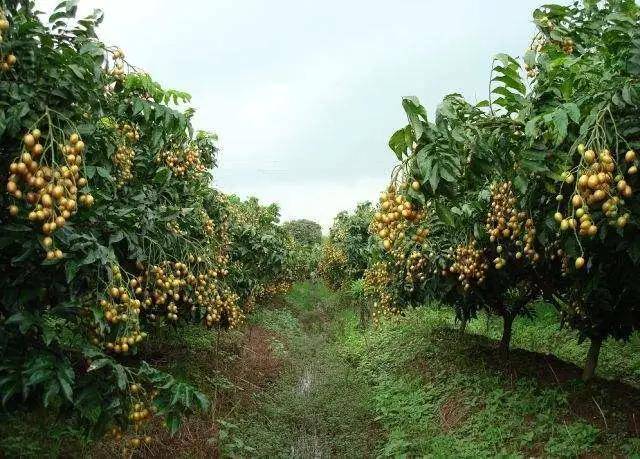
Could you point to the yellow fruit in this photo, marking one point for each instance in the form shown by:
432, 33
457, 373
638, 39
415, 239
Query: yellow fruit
29, 140
589, 156
579, 263
415, 185
630, 156
583, 181
576, 200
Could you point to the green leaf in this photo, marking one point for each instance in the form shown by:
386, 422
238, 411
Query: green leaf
530, 58
99, 363
121, 376
173, 422
24, 321
444, 214
415, 112
560, 122
162, 176
398, 144
573, 111
434, 178
77, 70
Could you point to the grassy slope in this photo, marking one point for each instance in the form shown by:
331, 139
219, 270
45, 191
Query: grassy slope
439, 393
417, 387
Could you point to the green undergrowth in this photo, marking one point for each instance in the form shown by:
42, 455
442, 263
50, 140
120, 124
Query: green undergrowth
541, 333
320, 404
418, 387
437, 392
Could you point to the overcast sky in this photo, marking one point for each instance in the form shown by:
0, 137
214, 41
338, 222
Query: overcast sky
304, 95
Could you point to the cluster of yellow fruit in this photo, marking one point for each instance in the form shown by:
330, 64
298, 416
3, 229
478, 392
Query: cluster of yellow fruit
182, 162
208, 225
596, 188
332, 264
279, 287
141, 411
174, 228
224, 307
133, 442
390, 222
559, 254
532, 72
118, 71
123, 157
4, 24
51, 192
9, 60
168, 282
377, 285
124, 344
121, 309
506, 223
469, 264
119, 305
175, 285
416, 266
567, 45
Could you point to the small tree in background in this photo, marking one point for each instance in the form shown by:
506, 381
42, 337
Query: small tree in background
304, 232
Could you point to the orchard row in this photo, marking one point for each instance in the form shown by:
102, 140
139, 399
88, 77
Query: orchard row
110, 231
530, 195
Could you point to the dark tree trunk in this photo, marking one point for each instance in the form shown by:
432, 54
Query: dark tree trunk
507, 325
463, 326
592, 359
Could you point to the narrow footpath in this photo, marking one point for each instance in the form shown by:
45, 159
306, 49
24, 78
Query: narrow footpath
318, 406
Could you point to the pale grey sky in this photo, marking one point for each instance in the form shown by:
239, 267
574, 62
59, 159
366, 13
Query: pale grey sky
304, 95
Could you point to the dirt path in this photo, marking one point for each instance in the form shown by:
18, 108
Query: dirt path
318, 407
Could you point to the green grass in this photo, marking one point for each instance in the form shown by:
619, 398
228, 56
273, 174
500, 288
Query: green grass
542, 334
440, 394
330, 415
417, 387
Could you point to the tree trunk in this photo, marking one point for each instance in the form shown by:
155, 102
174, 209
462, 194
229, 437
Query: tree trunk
507, 325
592, 359
463, 326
